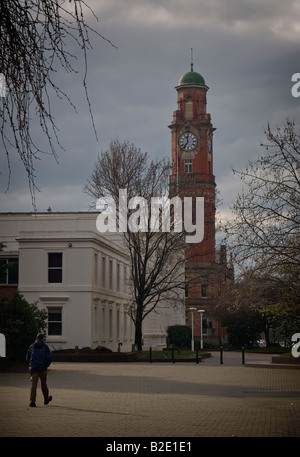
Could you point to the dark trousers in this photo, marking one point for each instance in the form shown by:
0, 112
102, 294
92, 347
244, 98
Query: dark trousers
34, 377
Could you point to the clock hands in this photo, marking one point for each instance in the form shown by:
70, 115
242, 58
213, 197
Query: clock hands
187, 141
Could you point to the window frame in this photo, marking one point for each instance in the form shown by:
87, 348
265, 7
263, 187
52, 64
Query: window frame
55, 268
204, 290
188, 165
52, 308
6, 273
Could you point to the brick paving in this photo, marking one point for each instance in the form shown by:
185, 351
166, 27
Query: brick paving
155, 400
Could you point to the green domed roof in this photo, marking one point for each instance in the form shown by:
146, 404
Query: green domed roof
191, 78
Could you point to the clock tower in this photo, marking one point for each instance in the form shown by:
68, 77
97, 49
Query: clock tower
192, 156
192, 176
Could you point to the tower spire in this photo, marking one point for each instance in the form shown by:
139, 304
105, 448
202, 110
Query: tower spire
192, 64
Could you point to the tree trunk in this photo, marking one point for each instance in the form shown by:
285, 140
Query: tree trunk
138, 327
267, 335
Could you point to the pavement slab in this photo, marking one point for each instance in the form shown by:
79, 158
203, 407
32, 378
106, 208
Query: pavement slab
155, 400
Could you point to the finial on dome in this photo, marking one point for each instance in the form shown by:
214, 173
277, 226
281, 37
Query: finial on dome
192, 64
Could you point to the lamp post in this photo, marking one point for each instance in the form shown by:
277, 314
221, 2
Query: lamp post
201, 311
192, 345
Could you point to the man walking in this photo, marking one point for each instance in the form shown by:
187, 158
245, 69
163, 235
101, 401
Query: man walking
39, 358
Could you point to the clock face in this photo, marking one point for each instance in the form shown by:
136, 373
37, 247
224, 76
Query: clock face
187, 141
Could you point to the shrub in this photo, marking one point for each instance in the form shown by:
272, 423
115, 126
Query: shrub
20, 322
180, 335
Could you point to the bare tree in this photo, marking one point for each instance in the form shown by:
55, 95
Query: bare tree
265, 226
35, 37
264, 231
157, 256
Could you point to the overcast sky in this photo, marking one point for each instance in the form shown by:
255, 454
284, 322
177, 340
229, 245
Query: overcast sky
246, 50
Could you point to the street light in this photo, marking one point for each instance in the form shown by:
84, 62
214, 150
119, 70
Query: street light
192, 309
201, 311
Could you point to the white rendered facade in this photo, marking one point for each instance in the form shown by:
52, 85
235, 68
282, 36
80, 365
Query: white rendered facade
81, 277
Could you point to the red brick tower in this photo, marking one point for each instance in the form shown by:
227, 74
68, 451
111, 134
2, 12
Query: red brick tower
192, 175
192, 156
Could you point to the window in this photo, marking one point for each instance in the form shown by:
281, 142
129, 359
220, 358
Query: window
95, 267
118, 278
203, 290
125, 279
103, 271
186, 290
55, 321
55, 267
110, 323
110, 273
118, 324
96, 322
9, 270
103, 327
125, 326
188, 167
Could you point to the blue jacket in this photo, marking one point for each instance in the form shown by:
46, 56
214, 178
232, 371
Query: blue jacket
38, 356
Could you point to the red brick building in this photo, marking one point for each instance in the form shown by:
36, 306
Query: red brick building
207, 270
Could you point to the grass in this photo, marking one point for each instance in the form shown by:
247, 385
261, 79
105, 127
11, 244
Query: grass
187, 354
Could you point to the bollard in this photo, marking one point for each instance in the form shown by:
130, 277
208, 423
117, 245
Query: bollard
221, 355
150, 355
197, 356
173, 360
243, 355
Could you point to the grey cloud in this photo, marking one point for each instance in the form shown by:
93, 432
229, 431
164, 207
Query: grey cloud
242, 49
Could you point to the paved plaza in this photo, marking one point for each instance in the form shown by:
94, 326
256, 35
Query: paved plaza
156, 400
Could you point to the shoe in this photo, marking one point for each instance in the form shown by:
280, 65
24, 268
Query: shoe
47, 401
32, 404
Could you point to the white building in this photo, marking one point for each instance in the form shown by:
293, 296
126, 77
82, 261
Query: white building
80, 277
